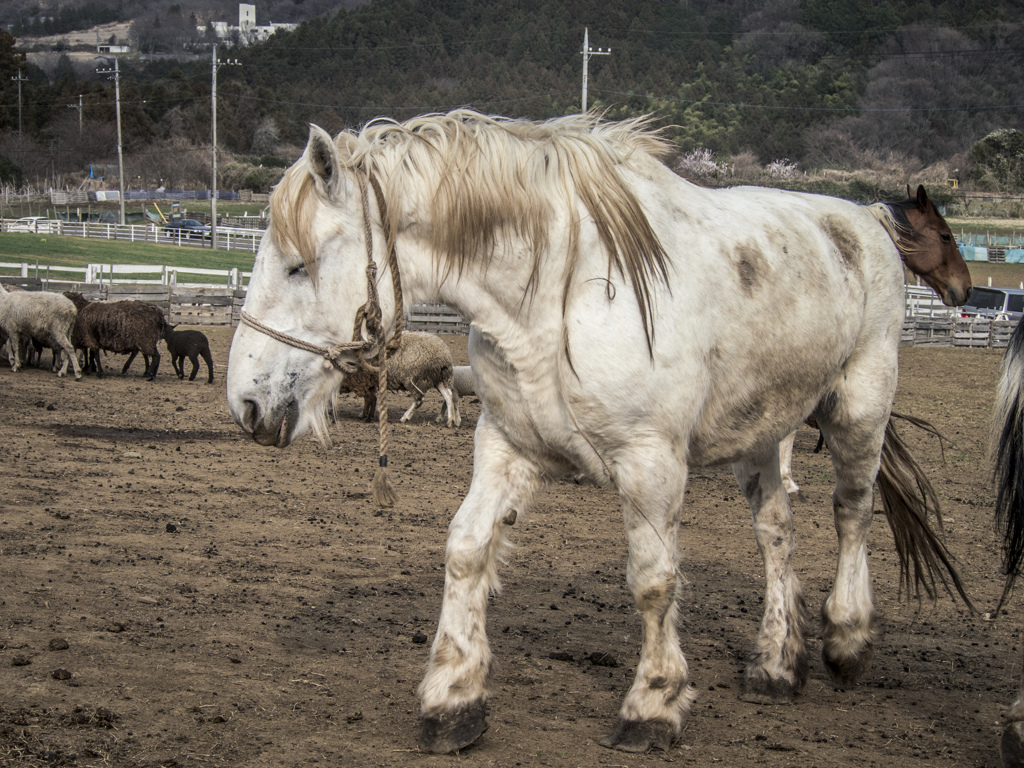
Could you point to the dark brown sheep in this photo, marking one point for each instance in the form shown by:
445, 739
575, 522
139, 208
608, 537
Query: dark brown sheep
123, 327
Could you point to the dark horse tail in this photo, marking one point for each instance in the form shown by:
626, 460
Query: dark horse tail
1008, 455
908, 499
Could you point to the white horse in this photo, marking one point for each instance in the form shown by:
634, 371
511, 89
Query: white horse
1008, 453
626, 324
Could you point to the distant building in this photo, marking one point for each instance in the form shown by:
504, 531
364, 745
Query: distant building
248, 30
111, 48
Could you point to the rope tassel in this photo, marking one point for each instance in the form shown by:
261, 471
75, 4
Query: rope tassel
383, 492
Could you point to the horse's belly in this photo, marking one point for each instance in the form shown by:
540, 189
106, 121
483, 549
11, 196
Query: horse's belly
763, 400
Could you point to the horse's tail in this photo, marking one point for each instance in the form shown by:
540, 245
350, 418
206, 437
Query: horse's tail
1008, 454
908, 498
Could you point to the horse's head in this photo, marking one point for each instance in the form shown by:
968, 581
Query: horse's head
930, 250
309, 283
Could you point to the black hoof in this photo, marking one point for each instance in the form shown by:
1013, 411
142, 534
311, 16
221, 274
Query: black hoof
451, 731
641, 736
848, 671
759, 688
1011, 747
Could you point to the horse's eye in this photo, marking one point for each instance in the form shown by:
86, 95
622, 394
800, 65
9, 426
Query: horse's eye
946, 238
296, 271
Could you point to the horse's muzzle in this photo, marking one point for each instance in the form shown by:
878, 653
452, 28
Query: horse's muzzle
956, 297
274, 427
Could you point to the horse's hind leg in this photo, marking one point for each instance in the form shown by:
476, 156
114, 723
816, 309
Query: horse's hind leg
853, 422
778, 665
786, 465
651, 484
453, 693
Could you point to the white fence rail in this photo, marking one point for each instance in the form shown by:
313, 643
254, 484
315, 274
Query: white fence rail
114, 274
228, 238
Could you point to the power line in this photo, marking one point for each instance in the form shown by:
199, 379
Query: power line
810, 109
380, 108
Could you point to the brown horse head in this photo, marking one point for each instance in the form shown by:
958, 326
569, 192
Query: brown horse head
928, 247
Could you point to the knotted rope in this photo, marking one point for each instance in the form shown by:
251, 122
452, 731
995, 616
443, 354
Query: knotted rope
376, 343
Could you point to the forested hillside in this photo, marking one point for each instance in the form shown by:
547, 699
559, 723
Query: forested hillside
811, 85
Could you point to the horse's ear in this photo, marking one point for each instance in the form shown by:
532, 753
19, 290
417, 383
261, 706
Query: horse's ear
923, 203
909, 196
322, 156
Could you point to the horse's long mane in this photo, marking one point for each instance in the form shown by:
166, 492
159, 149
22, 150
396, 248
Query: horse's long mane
482, 179
893, 218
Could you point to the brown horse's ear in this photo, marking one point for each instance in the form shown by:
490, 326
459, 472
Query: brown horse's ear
909, 196
923, 203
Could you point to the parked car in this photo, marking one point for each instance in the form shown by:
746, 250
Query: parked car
39, 225
1002, 303
190, 228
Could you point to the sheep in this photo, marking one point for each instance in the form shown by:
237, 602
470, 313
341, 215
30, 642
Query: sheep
48, 317
190, 344
421, 362
124, 327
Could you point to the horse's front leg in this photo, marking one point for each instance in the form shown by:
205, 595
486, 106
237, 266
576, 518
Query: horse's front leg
651, 484
453, 693
778, 664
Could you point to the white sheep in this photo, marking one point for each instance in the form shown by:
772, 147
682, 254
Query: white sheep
48, 317
422, 362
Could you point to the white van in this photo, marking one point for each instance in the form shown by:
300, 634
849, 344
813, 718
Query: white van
39, 225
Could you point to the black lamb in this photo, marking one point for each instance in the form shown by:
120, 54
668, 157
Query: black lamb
190, 344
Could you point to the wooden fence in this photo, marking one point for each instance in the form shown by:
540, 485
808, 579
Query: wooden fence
191, 305
956, 332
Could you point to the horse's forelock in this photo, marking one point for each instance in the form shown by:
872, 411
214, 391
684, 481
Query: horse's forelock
293, 205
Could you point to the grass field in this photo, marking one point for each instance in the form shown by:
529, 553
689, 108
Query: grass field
224, 208
66, 251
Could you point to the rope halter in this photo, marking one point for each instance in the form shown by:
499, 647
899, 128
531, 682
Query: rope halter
375, 344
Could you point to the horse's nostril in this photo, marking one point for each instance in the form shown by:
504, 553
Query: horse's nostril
250, 416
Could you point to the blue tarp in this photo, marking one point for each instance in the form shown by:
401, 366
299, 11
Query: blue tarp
1015, 255
179, 194
974, 253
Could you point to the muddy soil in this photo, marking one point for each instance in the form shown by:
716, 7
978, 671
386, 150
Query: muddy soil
172, 594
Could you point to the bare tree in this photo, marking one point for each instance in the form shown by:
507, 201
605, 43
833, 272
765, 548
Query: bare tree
265, 137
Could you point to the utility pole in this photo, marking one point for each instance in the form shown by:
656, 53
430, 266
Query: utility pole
587, 53
78, 106
120, 160
19, 79
213, 151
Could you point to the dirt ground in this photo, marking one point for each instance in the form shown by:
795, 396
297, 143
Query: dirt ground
172, 594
